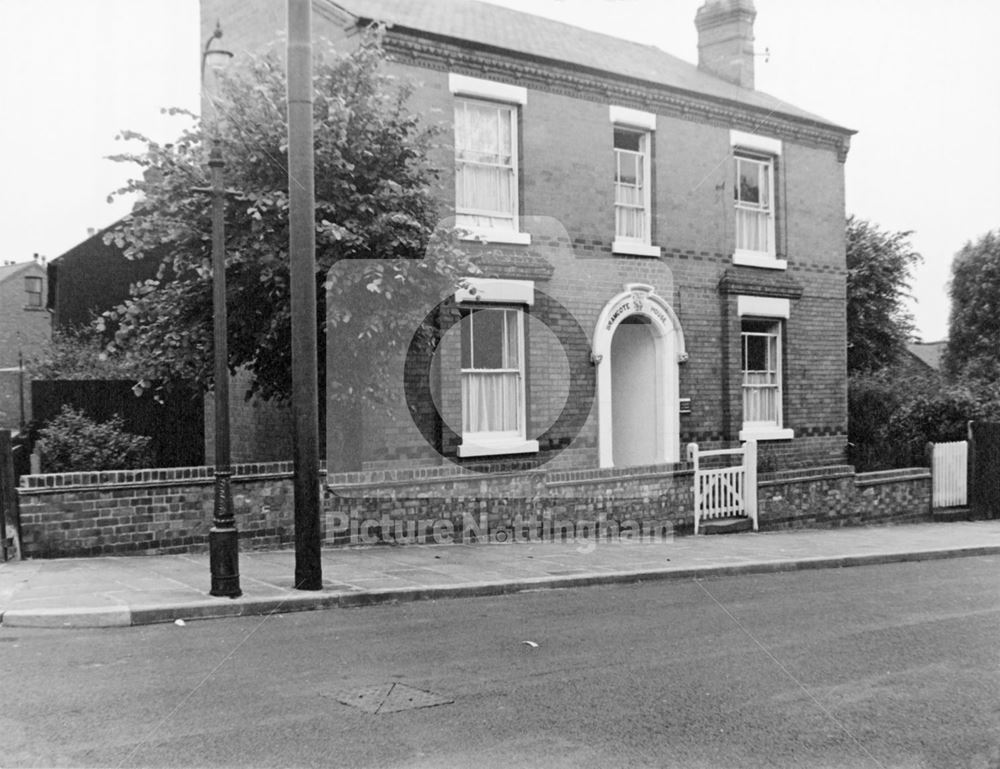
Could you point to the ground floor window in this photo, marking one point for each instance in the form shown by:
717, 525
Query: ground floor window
761, 340
493, 372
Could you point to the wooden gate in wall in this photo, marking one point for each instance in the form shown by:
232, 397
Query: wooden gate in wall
726, 490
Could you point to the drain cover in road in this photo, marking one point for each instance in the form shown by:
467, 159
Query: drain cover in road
391, 698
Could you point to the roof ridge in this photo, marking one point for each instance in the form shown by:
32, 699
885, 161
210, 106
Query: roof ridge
9, 270
489, 24
588, 30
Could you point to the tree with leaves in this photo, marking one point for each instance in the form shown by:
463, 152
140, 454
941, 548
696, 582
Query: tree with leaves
81, 353
973, 351
375, 204
879, 270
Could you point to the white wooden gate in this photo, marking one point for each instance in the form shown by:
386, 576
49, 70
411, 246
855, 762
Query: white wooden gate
725, 492
949, 473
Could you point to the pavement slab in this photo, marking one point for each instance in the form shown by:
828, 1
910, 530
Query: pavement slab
132, 590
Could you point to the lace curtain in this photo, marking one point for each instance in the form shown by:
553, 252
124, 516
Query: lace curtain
484, 168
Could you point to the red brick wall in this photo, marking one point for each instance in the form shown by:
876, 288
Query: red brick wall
170, 511
24, 330
260, 431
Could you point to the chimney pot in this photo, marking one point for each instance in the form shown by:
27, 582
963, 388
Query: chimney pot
725, 40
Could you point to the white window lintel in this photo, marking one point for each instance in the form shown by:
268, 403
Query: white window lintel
632, 117
463, 85
763, 306
752, 141
496, 291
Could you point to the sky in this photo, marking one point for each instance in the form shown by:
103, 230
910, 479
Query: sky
918, 79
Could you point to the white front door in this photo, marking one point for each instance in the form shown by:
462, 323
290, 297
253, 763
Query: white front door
635, 439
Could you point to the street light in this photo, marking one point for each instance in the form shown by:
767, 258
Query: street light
223, 542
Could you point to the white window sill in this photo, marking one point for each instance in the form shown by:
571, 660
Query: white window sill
486, 447
766, 434
633, 248
482, 235
758, 259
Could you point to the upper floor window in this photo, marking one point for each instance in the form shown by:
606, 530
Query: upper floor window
485, 165
33, 288
486, 171
755, 194
754, 204
631, 185
633, 148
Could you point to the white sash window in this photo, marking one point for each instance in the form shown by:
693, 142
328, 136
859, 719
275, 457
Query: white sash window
762, 321
485, 165
631, 185
493, 379
761, 374
754, 192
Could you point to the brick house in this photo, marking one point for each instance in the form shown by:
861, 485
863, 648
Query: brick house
664, 244
24, 325
663, 264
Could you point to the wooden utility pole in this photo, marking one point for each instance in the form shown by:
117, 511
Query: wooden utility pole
302, 256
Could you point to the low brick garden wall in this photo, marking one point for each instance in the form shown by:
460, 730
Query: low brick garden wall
149, 511
170, 511
837, 496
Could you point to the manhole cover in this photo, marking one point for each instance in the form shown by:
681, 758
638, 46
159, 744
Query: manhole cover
391, 698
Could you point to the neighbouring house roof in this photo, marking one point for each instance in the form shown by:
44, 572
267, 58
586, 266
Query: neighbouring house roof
490, 25
928, 353
91, 277
10, 270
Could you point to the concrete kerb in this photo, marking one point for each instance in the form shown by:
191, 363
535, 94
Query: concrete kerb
210, 608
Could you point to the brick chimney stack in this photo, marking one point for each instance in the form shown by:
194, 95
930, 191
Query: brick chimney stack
725, 40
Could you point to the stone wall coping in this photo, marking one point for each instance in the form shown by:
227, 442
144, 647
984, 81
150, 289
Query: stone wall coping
53, 483
893, 476
598, 473
392, 475
416, 477
806, 475
564, 478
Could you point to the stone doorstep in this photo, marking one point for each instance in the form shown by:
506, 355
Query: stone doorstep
948, 514
726, 525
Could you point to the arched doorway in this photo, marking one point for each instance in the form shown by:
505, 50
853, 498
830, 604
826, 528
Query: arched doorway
634, 403
637, 346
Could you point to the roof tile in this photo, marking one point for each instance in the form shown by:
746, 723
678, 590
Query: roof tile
492, 25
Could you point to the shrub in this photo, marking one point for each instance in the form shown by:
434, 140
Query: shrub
72, 442
81, 353
892, 416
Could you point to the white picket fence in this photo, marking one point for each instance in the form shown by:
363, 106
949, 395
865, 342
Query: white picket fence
725, 492
949, 473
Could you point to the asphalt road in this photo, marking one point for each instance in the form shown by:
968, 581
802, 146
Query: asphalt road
880, 666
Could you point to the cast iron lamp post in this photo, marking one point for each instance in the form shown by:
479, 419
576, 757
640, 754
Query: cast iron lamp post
223, 540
